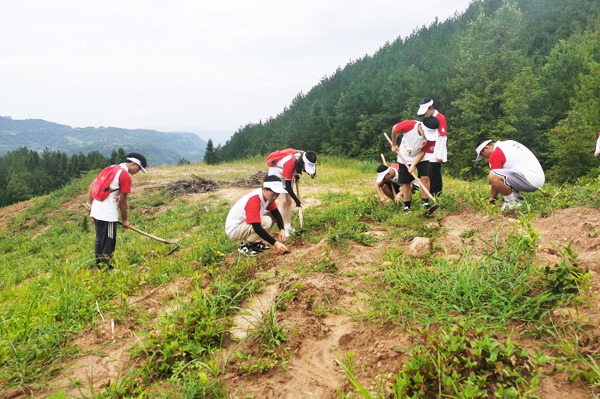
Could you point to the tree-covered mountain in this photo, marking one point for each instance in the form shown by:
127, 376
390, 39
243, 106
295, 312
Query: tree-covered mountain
527, 70
158, 147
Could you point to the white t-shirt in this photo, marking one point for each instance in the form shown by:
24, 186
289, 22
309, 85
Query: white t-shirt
513, 155
108, 210
249, 209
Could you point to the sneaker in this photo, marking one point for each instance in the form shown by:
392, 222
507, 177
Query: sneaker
518, 196
510, 202
260, 247
406, 209
247, 249
289, 230
426, 205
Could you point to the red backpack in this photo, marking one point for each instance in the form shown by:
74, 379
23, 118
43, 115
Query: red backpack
278, 155
101, 186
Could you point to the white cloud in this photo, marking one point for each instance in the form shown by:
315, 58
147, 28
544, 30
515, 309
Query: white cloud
184, 63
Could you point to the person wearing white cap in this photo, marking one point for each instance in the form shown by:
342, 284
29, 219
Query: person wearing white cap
106, 197
251, 218
387, 183
288, 165
427, 107
418, 139
513, 168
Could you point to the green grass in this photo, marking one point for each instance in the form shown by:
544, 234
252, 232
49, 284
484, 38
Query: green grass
50, 290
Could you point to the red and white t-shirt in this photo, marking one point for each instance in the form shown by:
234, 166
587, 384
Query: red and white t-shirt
440, 151
412, 142
286, 166
249, 209
108, 209
511, 154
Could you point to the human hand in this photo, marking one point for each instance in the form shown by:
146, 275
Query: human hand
394, 148
279, 246
491, 200
125, 223
88, 206
281, 236
382, 201
411, 169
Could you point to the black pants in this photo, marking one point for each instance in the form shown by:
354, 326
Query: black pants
435, 178
106, 241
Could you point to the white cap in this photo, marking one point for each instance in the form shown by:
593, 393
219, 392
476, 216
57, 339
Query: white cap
430, 134
309, 167
138, 163
381, 175
423, 107
275, 186
480, 148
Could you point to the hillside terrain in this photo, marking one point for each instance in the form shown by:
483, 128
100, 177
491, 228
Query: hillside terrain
348, 313
161, 148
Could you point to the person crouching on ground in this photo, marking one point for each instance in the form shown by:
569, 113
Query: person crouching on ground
387, 184
115, 183
288, 165
248, 220
513, 168
418, 139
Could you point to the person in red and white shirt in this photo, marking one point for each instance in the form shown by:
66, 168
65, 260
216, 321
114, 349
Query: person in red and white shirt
513, 168
427, 107
597, 145
387, 183
416, 149
288, 169
106, 213
251, 218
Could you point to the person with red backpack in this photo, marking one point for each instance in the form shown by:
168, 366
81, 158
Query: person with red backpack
106, 197
288, 165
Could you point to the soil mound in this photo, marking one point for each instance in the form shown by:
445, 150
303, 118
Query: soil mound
253, 181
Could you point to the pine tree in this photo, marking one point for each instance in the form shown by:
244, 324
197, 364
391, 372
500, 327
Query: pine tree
210, 157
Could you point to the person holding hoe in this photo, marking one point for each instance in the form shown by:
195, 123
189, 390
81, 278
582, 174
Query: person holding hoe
251, 218
288, 165
107, 197
418, 140
513, 168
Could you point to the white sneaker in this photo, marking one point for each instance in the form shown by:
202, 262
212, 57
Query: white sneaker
289, 230
510, 202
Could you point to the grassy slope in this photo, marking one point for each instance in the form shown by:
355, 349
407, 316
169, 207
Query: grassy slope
49, 291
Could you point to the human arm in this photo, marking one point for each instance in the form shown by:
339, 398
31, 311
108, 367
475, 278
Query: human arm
418, 158
290, 190
279, 220
123, 209
90, 199
382, 199
440, 150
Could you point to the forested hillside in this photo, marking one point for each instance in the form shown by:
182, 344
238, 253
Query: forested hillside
527, 70
25, 173
160, 148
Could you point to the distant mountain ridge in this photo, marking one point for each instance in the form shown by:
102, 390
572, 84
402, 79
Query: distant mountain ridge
160, 148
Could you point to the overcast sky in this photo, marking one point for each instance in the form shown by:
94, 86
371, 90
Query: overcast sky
203, 66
